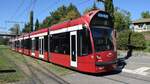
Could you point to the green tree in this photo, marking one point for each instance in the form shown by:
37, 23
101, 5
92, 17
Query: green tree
4, 41
31, 21
37, 25
15, 29
94, 6
122, 19
26, 28
72, 12
145, 14
61, 14
62, 11
91, 8
109, 7
47, 22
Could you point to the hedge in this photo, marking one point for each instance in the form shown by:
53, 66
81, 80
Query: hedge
137, 39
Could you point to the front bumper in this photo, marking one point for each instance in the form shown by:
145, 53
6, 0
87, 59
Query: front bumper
102, 64
119, 62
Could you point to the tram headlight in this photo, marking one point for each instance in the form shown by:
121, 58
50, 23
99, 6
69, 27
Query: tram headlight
98, 57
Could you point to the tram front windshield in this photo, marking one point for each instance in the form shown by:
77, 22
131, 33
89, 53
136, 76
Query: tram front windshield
102, 39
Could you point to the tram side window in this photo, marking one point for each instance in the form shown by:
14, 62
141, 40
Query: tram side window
16, 44
28, 43
84, 43
33, 45
22, 43
60, 43
46, 43
36, 44
25, 43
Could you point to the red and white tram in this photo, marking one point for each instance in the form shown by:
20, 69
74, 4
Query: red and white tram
86, 44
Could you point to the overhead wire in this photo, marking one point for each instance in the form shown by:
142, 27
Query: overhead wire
18, 8
26, 10
83, 2
49, 7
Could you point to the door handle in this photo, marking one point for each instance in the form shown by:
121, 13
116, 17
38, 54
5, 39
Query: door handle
72, 52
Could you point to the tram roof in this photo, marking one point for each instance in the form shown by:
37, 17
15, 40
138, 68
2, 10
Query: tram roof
39, 31
85, 19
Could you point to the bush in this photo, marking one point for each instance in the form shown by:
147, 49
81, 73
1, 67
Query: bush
137, 39
147, 46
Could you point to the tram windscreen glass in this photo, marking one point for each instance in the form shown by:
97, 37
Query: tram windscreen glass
101, 19
102, 39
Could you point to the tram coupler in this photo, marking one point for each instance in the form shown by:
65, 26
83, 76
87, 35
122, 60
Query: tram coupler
121, 63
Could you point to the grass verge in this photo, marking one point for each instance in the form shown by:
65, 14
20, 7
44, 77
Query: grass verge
6, 57
6, 66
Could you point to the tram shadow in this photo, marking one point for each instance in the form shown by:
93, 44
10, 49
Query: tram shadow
8, 71
113, 72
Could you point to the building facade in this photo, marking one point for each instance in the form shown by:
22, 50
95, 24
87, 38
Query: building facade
141, 25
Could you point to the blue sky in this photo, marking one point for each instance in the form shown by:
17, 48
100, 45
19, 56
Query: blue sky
18, 10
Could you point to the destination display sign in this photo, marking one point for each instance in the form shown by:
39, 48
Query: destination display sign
103, 15
102, 19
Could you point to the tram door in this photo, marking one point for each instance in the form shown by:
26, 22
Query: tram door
33, 47
73, 48
41, 47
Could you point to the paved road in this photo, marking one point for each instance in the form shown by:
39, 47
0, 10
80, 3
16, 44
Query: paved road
137, 71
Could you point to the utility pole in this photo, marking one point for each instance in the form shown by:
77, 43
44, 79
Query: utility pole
31, 21
14, 22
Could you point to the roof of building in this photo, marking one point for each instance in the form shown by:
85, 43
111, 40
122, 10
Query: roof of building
142, 20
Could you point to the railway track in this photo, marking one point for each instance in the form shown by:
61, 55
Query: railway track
115, 80
30, 78
53, 74
40, 75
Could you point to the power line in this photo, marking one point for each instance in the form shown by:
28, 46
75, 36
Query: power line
26, 9
83, 2
13, 22
34, 3
21, 22
49, 7
18, 8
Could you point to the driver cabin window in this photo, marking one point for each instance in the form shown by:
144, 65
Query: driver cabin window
84, 43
